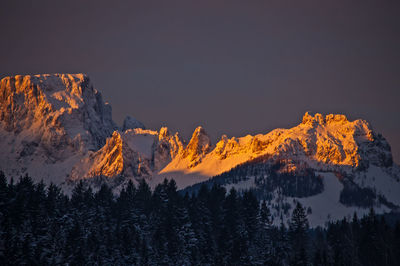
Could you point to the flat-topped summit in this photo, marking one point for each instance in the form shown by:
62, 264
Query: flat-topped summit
50, 119
56, 107
59, 90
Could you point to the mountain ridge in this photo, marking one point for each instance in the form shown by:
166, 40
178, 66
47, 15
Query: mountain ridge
56, 127
65, 110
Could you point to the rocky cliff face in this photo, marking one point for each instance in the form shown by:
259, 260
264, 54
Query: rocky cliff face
332, 139
59, 109
49, 119
199, 145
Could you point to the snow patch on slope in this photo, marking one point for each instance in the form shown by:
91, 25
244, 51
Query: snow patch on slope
384, 181
326, 206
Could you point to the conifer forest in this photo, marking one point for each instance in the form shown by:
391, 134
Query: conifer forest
40, 225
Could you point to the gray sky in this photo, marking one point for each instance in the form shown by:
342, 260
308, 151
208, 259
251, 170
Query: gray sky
235, 67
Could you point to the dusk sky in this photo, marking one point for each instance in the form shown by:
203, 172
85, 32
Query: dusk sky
234, 67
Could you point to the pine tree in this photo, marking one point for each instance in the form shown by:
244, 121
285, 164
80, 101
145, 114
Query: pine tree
396, 244
298, 235
3, 188
143, 198
104, 197
250, 213
78, 195
265, 216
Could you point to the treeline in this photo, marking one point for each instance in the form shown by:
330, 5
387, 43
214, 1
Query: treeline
39, 225
269, 176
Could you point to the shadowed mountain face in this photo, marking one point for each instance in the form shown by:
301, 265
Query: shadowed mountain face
57, 128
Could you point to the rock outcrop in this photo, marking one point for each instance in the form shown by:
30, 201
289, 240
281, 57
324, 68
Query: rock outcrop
199, 145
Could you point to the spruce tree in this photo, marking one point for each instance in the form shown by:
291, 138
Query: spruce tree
298, 228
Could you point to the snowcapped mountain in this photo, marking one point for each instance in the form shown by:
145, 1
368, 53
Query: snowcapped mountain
333, 166
48, 122
57, 128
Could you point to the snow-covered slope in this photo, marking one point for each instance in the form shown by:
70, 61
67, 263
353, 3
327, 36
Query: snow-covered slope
326, 206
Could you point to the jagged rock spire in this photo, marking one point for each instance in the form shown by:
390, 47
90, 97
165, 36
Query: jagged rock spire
199, 145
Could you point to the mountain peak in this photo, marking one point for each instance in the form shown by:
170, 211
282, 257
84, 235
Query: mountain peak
108, 161
164, 132
199, 130
52, 118
65, 103
199, 145
201, 135
131, 123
